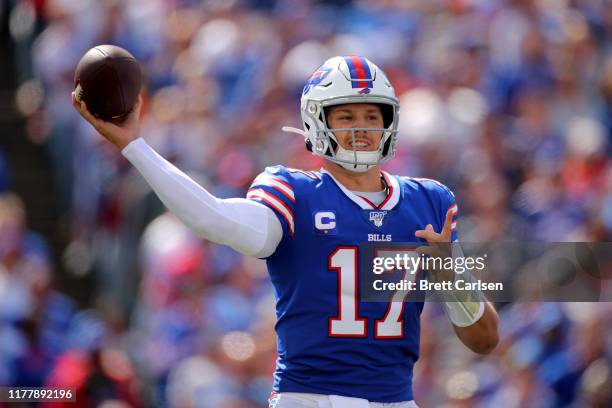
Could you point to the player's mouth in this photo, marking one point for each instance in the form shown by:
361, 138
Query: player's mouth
360, 144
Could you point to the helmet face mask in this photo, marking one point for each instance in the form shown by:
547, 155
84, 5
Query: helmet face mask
349, 80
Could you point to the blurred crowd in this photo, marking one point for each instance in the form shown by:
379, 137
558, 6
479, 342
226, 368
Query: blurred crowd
509, 103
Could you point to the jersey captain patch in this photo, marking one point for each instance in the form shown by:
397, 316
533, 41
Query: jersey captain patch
325, 222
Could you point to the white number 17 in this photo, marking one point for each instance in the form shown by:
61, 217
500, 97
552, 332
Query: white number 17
347, 323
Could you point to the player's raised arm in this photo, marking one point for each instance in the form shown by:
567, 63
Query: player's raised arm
475, 323
249, 227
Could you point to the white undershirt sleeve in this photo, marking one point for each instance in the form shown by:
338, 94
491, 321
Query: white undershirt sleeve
245, 225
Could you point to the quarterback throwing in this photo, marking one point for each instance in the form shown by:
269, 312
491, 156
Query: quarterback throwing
333, 349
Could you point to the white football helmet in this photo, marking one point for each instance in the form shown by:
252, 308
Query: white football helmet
342, 80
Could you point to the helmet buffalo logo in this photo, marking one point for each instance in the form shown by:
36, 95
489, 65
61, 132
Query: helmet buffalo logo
365, 91
316, 78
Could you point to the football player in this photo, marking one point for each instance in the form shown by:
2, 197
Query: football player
333, 349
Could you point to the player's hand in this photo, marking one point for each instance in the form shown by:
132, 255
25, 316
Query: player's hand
439, 243
119, 135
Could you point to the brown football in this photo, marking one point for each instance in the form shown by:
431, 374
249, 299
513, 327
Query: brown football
108, 79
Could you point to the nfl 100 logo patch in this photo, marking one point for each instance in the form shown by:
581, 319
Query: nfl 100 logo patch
377, 217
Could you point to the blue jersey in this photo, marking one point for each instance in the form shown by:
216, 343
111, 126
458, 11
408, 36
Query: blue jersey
328, 341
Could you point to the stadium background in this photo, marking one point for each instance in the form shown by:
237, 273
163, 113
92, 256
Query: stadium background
507, 102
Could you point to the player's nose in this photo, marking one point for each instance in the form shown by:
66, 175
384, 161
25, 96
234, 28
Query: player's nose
360, 127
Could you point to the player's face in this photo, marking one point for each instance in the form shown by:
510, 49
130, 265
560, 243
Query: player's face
356, 115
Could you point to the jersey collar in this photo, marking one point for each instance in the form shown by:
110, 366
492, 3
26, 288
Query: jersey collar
388, 203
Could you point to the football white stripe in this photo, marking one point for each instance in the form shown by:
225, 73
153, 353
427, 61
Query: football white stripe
277, 204
275, 183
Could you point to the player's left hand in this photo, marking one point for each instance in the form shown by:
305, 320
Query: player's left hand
439, 243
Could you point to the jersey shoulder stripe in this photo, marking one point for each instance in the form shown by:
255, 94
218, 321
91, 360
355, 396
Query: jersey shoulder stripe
277, 189
275, 203
455, 210
275, 183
